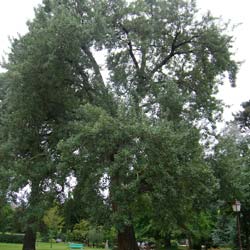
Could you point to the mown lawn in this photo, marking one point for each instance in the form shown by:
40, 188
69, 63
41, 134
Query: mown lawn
40, 246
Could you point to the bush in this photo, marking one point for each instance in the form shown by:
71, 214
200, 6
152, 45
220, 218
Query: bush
11, 238
80, 231
174, 244
96, 237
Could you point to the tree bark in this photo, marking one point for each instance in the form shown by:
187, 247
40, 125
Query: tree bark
29, 242
190, 242
247, 238
126, 239
245, 228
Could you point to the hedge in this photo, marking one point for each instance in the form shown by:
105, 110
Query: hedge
11, 238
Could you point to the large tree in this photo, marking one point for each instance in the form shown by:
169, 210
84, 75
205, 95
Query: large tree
44, 84
130, 134
164, 65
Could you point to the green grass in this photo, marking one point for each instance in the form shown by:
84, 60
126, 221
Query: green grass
40, 246
5, 246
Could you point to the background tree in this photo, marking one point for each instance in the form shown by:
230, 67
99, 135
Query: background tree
6, 217
80, 231
54, 222
96, 237
6, 211
242, 118
42, 91
231, 167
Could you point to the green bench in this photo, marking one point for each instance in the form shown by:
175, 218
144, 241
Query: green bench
75, 246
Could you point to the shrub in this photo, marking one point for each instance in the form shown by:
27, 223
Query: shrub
96, 237
80, 231
11, 238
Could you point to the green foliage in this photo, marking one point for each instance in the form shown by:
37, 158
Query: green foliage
129, 139
201, 229
231, 167
80, 231
6, 217
110, 236
227, 165
242, 120
156, 175
40, 95
90, 234
11, 238
224, 231
243, 117
96, 236
53, 221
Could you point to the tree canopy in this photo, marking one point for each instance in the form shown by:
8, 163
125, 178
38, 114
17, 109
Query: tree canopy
123, 126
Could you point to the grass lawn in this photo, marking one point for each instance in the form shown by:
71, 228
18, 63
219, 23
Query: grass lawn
40, 246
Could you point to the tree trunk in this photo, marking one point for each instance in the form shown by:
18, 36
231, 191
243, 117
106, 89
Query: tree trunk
29, 241
190, 242
247, 239
245, 228
126, 239
168, 242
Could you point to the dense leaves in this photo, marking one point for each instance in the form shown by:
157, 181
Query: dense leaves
243, 117
128, 138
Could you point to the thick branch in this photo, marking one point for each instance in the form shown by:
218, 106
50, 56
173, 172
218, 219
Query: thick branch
163, 62
169, 56
143, 60
173, 51
94, 64
131, 53
183, 52
186, 42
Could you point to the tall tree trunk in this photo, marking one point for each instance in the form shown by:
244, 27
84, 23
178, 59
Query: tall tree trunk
245, 228
247, 238
126, 239
190, 242
29, 242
